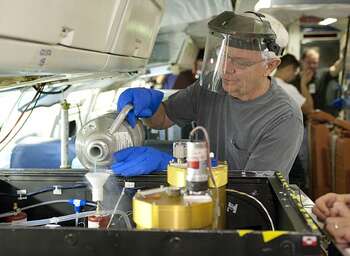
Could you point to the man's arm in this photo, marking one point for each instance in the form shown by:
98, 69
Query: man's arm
308, 106
159, 120
336, 67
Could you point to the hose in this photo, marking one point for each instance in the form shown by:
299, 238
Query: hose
116, 207
3, 215
217, 212
44, 190
257, 201
69, 217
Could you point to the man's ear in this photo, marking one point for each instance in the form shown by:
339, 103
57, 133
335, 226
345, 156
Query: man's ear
271, 65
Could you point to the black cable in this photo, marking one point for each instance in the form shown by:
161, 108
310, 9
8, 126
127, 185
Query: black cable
35, 98
8, 195
55, 187
44, 190
53, 92
24, 122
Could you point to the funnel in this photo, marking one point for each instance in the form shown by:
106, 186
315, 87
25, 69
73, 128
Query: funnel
97, 180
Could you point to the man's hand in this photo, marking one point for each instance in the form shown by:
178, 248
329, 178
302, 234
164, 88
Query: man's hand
323, 204
145, 102
339, 225
136, 161
306, 76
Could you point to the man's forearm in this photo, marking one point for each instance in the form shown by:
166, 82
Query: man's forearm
159, 120
308, 105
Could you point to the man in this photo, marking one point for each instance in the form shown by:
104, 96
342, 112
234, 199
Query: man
333, 209
252, 123
317, 83
285, 74
305, 81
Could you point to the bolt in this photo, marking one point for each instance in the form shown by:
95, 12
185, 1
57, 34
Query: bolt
71, 239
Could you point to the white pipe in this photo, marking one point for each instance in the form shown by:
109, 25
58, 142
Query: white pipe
69, 217
64, 134
6, 214
116, 207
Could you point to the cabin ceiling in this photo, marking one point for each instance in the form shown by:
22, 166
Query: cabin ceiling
192, 17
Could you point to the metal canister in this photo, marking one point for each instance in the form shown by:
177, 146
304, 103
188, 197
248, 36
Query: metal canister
197, 176
95, 144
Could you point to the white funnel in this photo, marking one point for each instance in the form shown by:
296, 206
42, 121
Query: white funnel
97, 180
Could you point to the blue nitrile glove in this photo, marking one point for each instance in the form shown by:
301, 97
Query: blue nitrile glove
135, 161
338, 103
145, 102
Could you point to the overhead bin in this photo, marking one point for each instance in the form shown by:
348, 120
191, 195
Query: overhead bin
47, 37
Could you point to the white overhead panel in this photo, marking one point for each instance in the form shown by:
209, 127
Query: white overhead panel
64, 36
288, 11
174, 49
180, 13
184, 28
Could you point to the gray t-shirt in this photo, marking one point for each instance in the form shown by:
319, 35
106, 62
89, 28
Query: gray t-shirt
256, 135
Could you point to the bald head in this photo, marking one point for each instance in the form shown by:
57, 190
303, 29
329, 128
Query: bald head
310, 60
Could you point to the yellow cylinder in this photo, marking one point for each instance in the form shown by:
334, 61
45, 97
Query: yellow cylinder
176, 177
162, 208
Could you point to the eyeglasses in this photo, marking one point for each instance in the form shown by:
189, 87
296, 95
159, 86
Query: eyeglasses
241, 63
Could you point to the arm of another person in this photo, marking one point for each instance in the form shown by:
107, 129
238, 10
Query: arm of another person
308, 106
278, 147
336, 67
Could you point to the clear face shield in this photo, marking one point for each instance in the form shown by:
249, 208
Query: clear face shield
234, 64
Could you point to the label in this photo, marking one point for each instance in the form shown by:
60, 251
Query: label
129, 184
312, 88
199, 154
124, 140
57, 191
93, 224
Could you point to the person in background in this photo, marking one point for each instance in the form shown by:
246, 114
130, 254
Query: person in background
188, 77
317, 83
334, 211
305, 81
285, 73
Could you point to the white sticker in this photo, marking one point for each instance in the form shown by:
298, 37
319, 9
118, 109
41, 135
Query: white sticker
129, 184
93, 224
57, 191
312, 88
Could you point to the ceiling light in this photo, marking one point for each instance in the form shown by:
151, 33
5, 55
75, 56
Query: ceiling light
327, 21
262, 4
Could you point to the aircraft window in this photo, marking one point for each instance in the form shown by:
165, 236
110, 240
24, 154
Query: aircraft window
105, 102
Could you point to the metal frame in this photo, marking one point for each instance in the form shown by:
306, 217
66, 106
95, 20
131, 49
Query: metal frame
295, 236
